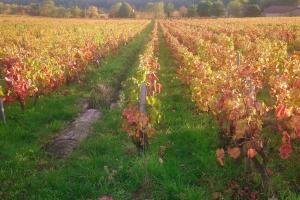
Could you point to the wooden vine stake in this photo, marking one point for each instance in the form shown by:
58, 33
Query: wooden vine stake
2, 105
2, 110
143, 104
143, 100
238, 59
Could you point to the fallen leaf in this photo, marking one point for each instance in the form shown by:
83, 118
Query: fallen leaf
105, 198
251, 153
216, 195
220, 153
234, 152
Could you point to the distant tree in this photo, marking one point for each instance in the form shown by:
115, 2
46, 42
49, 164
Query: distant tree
235, 8
68, 13
47, 8
149, 7
253, 1
16, 9
33, 9
92, 12
183, 11
26, 10
252, 10
192, 11
59, 12
2, 8
169, 8
204, 8
217, 8
7, 9
266, 3
289, 2
76, 11
63, 12
126, 11
100, 11
114, 10
12, 9
159, 10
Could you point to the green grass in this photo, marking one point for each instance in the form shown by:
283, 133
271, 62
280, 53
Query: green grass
22, 157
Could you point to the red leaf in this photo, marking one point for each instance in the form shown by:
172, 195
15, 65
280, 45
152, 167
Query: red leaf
158, 87
281, 112
251, 153
295, 124
285, 151
296, 83
234, 152
105, 198
152, 77
286, 139
269, 171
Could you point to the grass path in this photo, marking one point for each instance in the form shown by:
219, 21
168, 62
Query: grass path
190, 170
22, 158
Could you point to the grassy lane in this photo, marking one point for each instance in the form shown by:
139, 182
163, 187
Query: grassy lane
190, 170
21, 159
102, 164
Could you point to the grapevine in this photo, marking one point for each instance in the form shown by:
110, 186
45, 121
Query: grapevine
137, 124
48, 54
227, 67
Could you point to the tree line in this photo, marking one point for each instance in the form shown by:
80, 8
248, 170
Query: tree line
48, 8
235, 8
208, 8
198, 8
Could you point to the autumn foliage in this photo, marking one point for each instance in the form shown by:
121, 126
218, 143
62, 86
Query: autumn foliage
228, 66
50, 53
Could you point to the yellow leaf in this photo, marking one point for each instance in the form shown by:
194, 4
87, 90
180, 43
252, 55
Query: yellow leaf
1, 92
